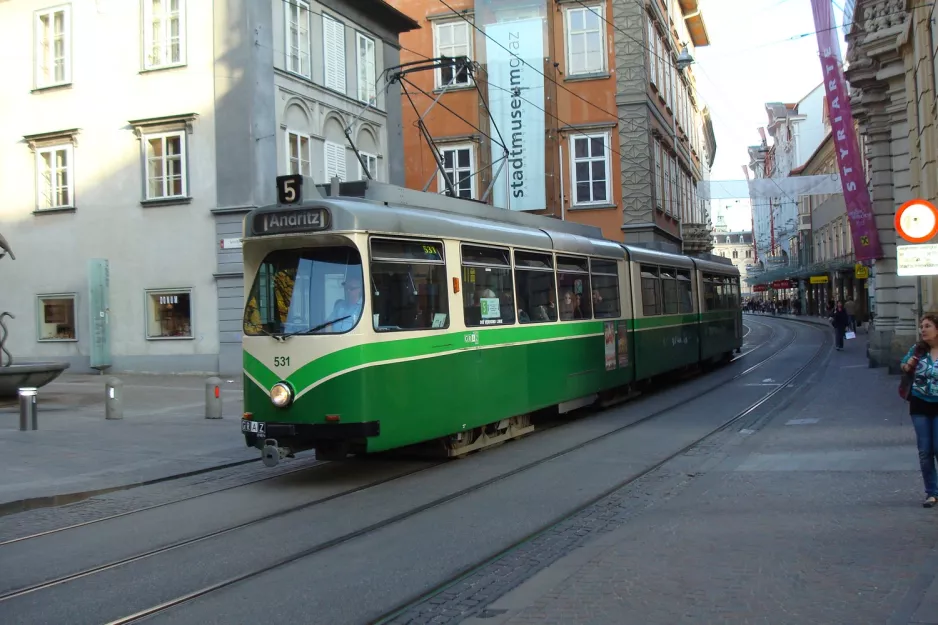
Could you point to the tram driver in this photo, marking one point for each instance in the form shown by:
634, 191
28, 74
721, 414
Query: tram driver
349, 309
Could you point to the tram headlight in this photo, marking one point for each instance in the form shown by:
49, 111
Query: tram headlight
281, 395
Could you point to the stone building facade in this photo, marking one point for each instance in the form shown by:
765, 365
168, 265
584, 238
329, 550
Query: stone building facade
891, 53
145, 153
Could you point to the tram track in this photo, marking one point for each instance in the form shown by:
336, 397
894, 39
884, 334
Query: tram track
389, 616
320, 463
397, 518
339, 540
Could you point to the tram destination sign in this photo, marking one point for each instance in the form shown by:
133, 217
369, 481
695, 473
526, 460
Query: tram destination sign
291, 221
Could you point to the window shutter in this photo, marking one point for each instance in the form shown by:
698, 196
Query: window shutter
334, 53
335, 161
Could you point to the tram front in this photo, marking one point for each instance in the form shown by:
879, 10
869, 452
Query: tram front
304, 300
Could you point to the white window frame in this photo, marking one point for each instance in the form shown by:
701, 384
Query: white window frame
183, 154
340, 155
39, 76
659, 185
589, 9
369, 158
69, 150
304, 46
149, 310
165, 43
300, 137
367, 76
333, 80
438, 73
456, 147
652, 56
40, 315
607, 147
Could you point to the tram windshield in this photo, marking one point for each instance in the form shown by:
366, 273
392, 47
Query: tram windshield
314, 290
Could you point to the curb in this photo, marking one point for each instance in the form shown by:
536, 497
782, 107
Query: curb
63, 499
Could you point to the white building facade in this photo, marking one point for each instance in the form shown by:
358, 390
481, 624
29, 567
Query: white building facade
140, 132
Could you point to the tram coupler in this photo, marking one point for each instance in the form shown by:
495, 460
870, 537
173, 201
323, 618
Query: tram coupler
272, 454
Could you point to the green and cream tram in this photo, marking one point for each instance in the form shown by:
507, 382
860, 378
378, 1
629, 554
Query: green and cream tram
383, 317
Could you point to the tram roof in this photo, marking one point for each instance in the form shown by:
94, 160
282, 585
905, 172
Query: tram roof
373, 206
725, 269
658, 257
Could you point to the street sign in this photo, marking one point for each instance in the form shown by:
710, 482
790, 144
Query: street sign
917, 260
861, 272
917, 221
760, 288
818, 279
781, 284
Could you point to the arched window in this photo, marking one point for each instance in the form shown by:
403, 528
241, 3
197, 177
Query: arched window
735, 254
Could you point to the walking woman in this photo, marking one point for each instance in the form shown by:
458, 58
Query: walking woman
922, 359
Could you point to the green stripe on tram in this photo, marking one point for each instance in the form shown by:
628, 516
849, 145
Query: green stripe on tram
369, 354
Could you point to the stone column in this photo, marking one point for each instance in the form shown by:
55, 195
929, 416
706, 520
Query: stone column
877, 53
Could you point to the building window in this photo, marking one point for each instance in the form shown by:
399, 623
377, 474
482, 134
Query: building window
590, 170
57, 317
166, 165
585, 40
299, 154
457, 164
335, 161
372, 162
54, 177
53, 47
452, 39
652, 57
169, 314
164, 30
366, 70
333, 37
659, 194
735, 254
298, 37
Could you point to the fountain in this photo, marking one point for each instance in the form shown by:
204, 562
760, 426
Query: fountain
30, 374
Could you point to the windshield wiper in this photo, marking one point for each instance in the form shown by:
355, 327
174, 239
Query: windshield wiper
313, 329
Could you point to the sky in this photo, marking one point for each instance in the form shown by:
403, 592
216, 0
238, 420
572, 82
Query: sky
756, 56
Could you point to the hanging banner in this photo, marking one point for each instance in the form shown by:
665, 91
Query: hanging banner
516, 99
856, 196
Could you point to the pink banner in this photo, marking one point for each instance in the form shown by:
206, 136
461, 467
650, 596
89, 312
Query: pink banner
866, 244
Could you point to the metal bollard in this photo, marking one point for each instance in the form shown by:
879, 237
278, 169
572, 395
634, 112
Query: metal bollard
29, 409
113, 399
213, 398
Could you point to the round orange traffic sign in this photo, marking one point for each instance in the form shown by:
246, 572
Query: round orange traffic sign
917, 221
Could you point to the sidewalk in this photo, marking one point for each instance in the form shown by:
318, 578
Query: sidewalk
814, 517
75, 450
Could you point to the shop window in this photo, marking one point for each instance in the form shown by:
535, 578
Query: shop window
169, 314
57, 318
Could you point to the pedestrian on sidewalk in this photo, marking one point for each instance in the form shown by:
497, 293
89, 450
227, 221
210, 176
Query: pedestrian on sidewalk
839, 321
922, 364
851, 307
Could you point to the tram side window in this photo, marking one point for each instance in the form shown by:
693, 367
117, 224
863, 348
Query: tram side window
605, 278
487, 286
408, 285
573, 280
684, 292
736, 300
669, 290
710, 293
651, 291
534, 287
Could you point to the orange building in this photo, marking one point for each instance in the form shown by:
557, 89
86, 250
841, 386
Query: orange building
534, 122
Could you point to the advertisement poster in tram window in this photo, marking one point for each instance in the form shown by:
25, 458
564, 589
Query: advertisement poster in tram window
623, 344
610, 337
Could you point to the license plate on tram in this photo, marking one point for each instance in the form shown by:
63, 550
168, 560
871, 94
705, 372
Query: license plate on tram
254, 427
